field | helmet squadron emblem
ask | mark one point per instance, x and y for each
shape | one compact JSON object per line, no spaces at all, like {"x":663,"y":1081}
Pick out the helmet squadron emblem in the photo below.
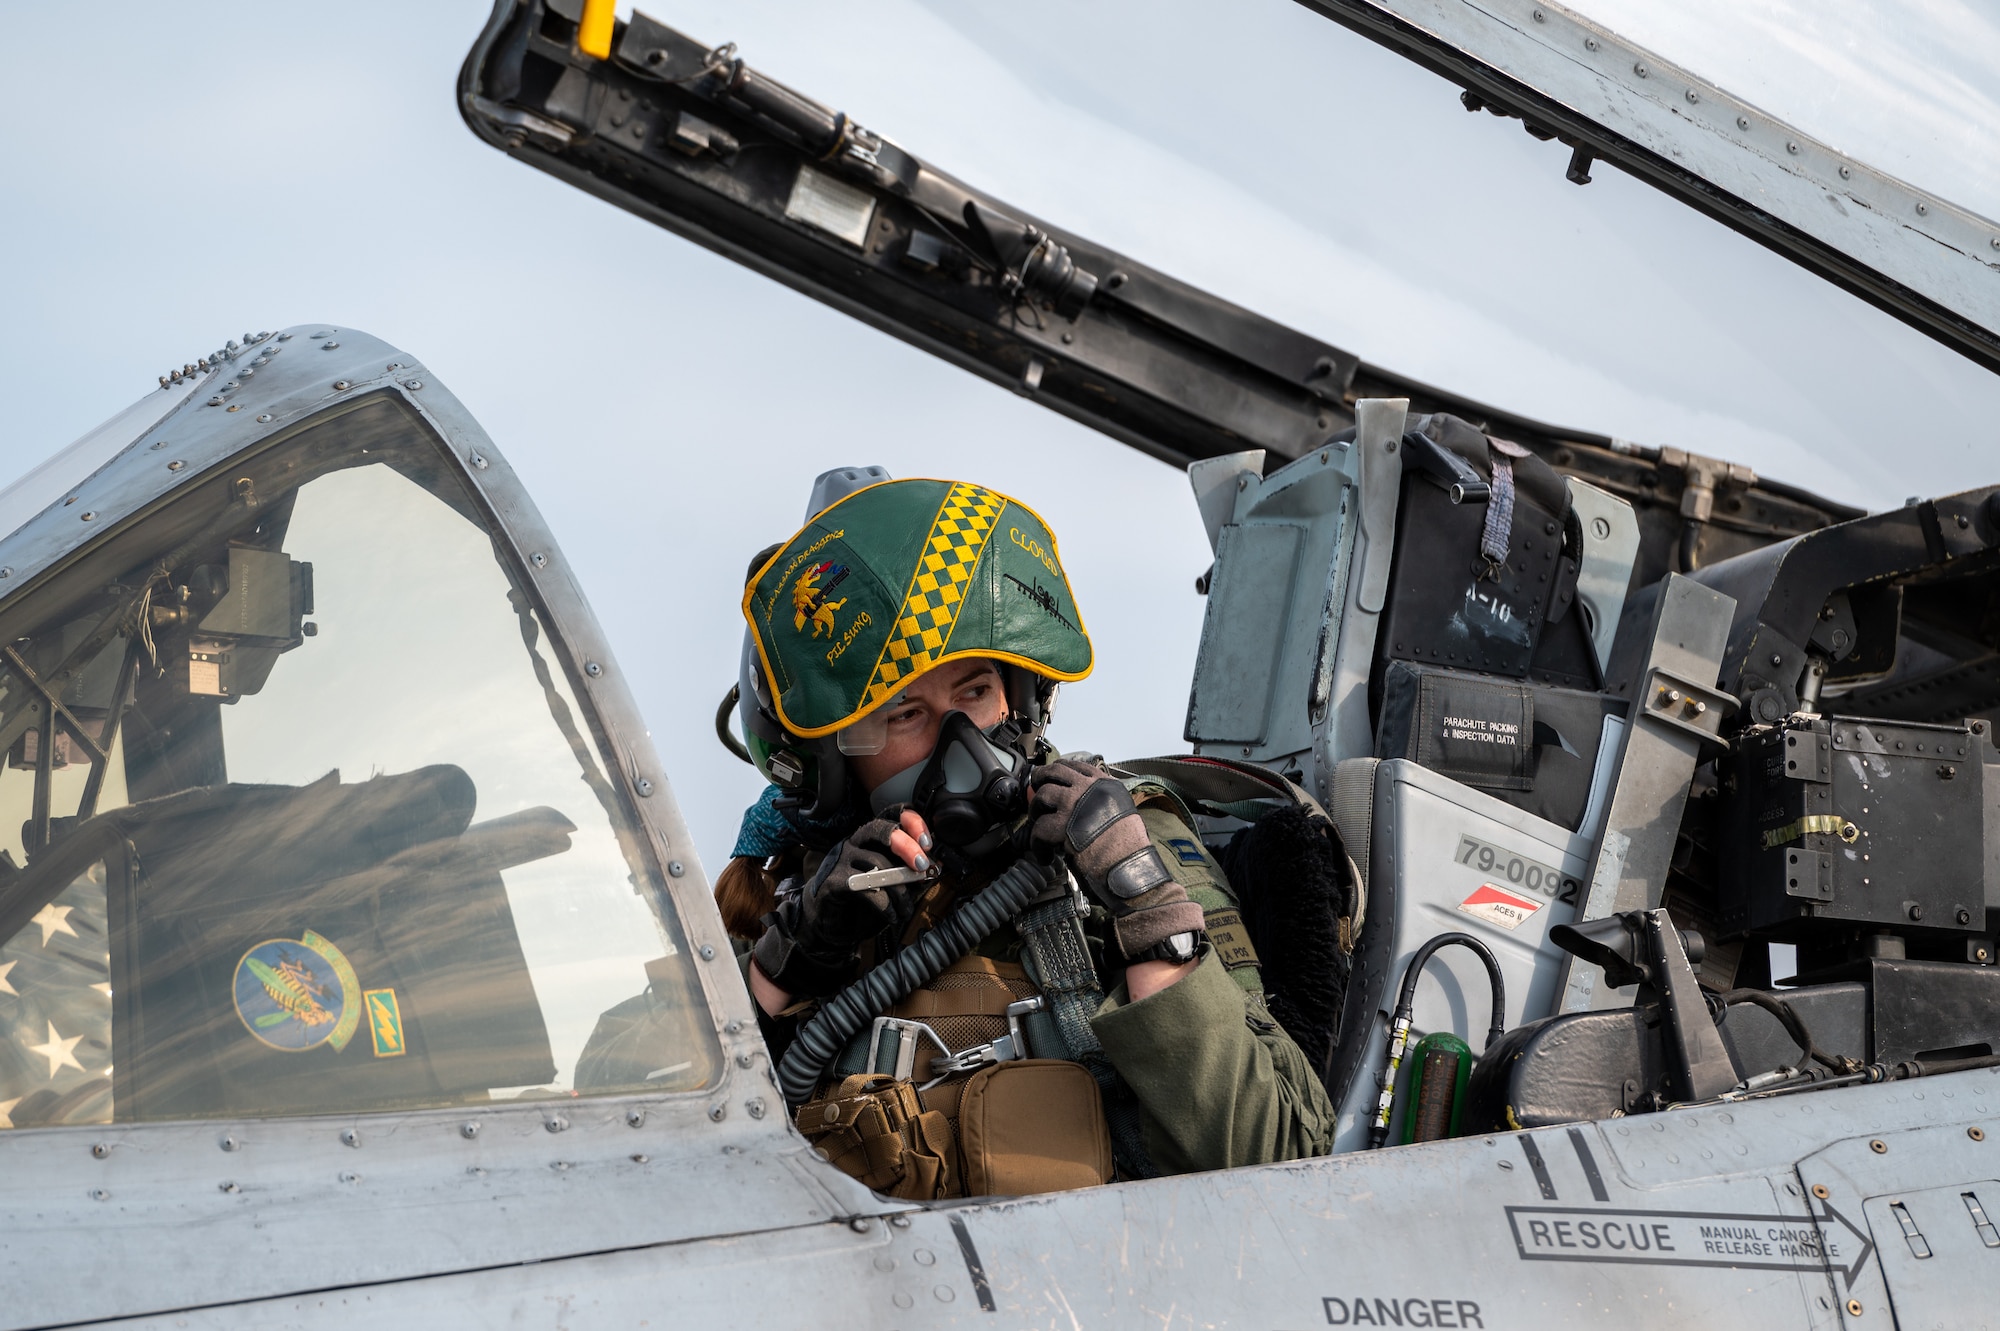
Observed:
{"x":298,"y":995}
{"x":809,"y":597}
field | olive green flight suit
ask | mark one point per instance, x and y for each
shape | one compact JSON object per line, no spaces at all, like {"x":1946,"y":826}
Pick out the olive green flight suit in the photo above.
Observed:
{"x":1219,"y":1082}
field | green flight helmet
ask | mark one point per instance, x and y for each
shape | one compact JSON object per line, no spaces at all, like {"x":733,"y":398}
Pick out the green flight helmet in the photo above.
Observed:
{"x":893,"y":580}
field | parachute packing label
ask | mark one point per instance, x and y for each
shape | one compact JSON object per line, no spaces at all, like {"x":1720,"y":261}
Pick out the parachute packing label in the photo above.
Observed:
{"x":295,"y":995}
{"x":1497,"y":905}
{"x":898,"y":578}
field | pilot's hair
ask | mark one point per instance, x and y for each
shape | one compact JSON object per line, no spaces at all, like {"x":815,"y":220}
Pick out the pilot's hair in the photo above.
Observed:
{"x":745,"y":892}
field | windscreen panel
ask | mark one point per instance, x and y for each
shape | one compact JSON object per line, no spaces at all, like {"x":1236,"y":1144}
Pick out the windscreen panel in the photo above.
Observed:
{"x":300,"y":813}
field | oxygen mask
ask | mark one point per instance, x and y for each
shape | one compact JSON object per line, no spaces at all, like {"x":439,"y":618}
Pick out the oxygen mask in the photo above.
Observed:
{"x":971,"y":789}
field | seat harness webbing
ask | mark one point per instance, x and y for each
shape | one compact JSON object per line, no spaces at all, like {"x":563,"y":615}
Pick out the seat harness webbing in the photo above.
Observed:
{"x":1058,"y":960}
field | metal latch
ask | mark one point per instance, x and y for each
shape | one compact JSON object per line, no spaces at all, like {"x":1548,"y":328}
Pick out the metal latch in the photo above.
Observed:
{"x":1919,"y":1245}
{"x":1987,"y":1234}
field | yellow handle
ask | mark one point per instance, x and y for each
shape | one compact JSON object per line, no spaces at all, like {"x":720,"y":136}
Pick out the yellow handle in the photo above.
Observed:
{"x":593,"y":34}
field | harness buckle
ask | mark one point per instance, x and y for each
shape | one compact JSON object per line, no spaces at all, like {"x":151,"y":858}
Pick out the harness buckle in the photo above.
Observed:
{"x":896,"y":1056}
{"x":1012,"y":1045}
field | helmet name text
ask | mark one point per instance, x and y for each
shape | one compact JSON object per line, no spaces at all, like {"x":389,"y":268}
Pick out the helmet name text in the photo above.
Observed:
{"x":1034,"y":547}
{"x":861,"y":621}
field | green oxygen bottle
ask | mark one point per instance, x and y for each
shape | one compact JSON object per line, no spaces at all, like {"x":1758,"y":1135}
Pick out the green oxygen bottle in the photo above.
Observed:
{"x":1439,"y":1066}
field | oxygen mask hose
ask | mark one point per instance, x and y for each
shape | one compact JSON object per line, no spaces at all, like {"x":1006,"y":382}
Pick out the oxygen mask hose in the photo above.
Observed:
{"x":822,"y":1038}
{"x":1399,"y":1022}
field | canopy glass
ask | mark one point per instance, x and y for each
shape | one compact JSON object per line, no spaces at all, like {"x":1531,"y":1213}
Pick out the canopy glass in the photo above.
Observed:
{"x":1911,"y":87}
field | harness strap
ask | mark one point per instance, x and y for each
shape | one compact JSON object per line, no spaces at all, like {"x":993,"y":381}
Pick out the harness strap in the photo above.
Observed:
{"x":1059,"y":957}
{"x":1054,"y":941}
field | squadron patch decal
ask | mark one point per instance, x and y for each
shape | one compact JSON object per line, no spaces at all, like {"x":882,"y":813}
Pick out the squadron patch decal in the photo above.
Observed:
{"x":385,"y":1022}
{"x":811,"y":603}
{"x":297,"y":995}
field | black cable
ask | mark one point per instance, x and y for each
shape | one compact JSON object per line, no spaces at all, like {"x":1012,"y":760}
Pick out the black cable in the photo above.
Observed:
{"x":1937,"y":1067}
{"x":1399,"y":1023}
{"x":1794,"y":1025}
{"x":722,"y":731}
{"x":822,"y":1038}
{"x":1407,"y":996}
{"x":1685,"y":549}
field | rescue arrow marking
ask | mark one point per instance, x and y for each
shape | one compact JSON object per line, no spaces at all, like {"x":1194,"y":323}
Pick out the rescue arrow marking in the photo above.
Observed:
{"x":1867,"y":1245}
{"x":1683,"y":1238}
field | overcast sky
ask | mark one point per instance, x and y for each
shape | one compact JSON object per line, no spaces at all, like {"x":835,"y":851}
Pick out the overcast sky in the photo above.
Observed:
{"x":257,"y":167}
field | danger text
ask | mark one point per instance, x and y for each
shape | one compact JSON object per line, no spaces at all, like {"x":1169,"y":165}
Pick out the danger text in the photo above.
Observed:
{"x":1359,"y":1311}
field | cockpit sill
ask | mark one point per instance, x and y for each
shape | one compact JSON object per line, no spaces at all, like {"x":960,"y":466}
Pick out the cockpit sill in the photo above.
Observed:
{"x":494,"y":1185}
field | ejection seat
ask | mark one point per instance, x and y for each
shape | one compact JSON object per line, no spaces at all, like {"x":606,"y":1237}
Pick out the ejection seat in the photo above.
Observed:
{"x":1415,"y":623}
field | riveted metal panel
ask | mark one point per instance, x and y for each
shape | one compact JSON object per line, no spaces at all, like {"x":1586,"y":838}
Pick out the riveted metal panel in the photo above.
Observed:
{"x":1699,"y":1217}
{"x":1931,"y":1144}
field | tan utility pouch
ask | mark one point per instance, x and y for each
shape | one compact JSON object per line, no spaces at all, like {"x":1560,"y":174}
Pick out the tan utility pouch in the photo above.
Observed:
{"x":876,"y":1129}
{"x":1036,"y":1125}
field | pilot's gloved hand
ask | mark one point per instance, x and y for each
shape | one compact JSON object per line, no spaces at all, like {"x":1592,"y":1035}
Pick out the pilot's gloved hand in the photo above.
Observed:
{"x":807,"y":948}
{"x":1084,"y":812}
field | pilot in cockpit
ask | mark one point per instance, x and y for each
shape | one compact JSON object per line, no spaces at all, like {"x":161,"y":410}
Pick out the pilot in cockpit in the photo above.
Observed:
{"x":983,"y":968}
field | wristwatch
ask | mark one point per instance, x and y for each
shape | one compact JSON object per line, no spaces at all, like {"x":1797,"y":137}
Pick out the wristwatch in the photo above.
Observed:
{"x":1178,"y":948}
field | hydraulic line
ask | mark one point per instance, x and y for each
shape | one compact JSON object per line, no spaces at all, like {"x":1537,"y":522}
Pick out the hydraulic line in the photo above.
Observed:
{"x":1399,"y":1023}
{"x":822,"y":1038}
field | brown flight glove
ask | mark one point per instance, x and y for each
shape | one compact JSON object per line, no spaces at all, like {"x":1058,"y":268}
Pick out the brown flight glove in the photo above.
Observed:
{"x":1086,"y":813}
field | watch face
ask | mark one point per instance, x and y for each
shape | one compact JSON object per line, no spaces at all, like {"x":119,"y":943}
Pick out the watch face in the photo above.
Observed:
{"x":1174,"y":947}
